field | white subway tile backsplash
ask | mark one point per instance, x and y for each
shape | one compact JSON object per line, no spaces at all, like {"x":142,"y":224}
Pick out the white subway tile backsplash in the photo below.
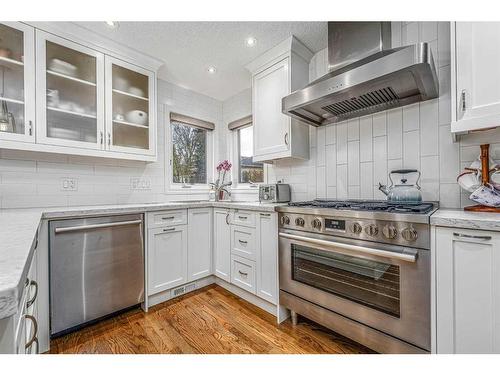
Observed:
{"x":449,"y":163}
{"x":354,"y":192}
{"x":449,"y":195}
{"x":411,"y":117}
{"x":380,"y":159}
{"x":366,"y":180}
{"x":411,"y":150}
{"x":428,"y":31}
{"x":379,"y":124}
{"x":321,"y":182}
{"x":410,"y":33}
{"x":353,"y":163}
{"x":429,"y":128}
{"x":342,"y":143}
{"x":353,"y":130}
{"x":366,"y":139}
{"x":342,"y":191}
{"x":395,"y":133}
{"x":330,"y":134}
{"x":320,"y":149}
{"x":331,"y":165}
{"x":331,"y":192}
{"x":443,"y":58}
{"x":444,"y":95}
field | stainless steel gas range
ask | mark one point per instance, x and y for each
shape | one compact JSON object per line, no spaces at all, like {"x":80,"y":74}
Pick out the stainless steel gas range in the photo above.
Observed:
{"x":361,"y":268}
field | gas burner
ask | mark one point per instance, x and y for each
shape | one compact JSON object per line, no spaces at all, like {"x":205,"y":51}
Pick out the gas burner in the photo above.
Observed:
{"x":367,"y":205}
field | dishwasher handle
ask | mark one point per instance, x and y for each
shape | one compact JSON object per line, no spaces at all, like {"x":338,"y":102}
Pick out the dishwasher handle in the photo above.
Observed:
{"x":96,"y":226}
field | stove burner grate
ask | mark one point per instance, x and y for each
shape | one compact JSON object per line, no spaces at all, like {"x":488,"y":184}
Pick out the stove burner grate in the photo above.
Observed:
{"x":362,"y":205}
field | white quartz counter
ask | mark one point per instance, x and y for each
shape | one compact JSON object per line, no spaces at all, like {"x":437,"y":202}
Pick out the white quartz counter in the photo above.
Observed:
{"x":18,"y":229}
{"x":466,"y":220}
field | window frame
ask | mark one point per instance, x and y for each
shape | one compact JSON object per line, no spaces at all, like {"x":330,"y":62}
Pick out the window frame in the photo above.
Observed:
{"x":177,"y":187}
{"x":235,"y":160}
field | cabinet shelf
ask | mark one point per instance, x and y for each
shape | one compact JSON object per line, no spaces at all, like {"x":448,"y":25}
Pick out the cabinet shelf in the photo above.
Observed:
{"x":130,"y":124}
{"x":56,"y":74}
{"x":130,"y":95}
{"x":8,"y":100}
{"x":86,"y":115}
{"x":10,"y":62}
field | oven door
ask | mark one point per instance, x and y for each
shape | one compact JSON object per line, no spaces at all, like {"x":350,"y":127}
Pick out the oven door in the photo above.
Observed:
{"x":386,"y":287}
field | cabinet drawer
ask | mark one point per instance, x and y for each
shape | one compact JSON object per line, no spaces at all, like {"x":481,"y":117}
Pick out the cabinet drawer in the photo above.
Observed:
{"x":243,"y":218}
{"x":167,"y":218}
{"x":243,"y":273}
{"x":243,"y":242}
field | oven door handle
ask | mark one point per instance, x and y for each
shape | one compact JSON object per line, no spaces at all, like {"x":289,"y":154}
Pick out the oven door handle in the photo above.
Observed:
{"x":407,"y":257}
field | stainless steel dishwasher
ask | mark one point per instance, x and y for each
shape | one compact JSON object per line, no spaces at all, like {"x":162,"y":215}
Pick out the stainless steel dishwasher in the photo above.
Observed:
{"x":96,"y":269}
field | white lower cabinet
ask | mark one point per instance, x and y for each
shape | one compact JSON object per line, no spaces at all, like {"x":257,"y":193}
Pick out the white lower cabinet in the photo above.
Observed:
{"x":222,"y":244}
{"x":267,"y":256}
{"x":467,"y":274}
{"x":199,"y":243}
{"x":243,"y":273}
{"x":167,"y":257}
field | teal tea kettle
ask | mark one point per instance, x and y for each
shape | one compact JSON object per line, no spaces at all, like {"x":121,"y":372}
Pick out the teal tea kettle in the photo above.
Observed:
{"x":402,"y":192}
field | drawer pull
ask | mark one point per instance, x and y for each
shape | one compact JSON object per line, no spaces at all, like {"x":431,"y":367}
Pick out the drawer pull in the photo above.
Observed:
{"x":243,"y":217}
{"x":243,"y":273}
{"x":35,"y":330}
{"x":462,"y":235}
{"x":242,"y":242}
{"x":168,"y":218}
{"x":32,"y":300}
{"x":265,"y":214}
{"x":168,"y":229}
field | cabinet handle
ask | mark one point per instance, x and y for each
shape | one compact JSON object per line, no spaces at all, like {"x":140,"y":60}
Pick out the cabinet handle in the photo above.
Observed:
{"x":243,"y":273}
{"x":30,"y":129}
{"x":243,"y":217}
{"x":462,"y":105}
{"x":35,"y":330}
{"x":286,"y":138}
{"x":102,"y":138}
{"x":168,"y":229}
{"x":243,"y":242}
{"x":227,"y":218}
{"x":168,"y":218}
{"x":265,"y":214}
{"x":462,"y":235}
{"x":32,"y":300}
{"x":109,"y":138}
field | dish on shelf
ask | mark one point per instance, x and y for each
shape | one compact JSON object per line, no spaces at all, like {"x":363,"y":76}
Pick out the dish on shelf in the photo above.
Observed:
{"x":120,"y":84}
{"x":137,"y":117}
{"x":5,"y":52}
{"x":63,"y":133}
{"x":469,"y":180}
{"x":136,"y":91}
{"x":119,"y":117}
{"x":63,"y":67}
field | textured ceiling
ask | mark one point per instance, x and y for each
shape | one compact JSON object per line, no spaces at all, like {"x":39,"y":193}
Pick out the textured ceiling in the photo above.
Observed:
{"x":189,"y":48}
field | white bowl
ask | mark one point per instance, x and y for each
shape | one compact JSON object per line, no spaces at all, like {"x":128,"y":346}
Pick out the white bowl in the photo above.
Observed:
{"x":136,"y":91}
{"x":63,"y":67}
{"x":137,"y":117}
{"x":120,"y":84}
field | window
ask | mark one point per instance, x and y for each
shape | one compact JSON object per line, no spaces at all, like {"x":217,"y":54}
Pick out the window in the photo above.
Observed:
{"x":190,"y":149}
{"x":248,"y":170}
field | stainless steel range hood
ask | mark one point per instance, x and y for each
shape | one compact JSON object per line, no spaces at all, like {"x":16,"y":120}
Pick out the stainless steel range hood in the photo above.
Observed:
{"x":364,"y":76}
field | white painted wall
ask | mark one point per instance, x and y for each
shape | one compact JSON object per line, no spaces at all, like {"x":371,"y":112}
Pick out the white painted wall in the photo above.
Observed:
{"x":349,"y":159}
{"x":29,"y":179}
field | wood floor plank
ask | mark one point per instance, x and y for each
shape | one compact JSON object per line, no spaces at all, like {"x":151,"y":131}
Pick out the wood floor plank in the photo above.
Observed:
{"x":209,"y":320}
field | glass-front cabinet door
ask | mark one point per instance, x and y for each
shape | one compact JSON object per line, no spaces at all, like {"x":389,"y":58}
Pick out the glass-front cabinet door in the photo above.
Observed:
{"x":130,"y":108}
{"x":70,"y":93}
{"x":17,"y":82}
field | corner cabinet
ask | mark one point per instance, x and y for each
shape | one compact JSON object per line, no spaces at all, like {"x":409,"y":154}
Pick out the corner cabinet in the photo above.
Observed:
{"x":475,"y":73}
{"x":88,"y":102}
{"x":467,"y":286}
{"x":275,"y":74}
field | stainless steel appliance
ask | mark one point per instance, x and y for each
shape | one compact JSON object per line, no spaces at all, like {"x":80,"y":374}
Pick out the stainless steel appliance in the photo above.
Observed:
{"x":96,"y":269}
{"x":274,"y":193}
{"x":361,"y":268}
{"x":365,"y":76}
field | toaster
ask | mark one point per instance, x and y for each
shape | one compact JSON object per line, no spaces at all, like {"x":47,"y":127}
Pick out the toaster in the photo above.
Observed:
{"x":274,"y":193}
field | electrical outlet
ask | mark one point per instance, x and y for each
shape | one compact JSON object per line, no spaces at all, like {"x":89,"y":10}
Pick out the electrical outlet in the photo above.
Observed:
{"x":69,"y":184}
{"x":137,"y":183}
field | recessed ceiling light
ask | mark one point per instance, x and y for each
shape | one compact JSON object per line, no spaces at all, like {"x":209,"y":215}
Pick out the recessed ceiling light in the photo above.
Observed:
{"x":111,"y":24}
{"x":251,"y":41}
{"x":211,"y":69}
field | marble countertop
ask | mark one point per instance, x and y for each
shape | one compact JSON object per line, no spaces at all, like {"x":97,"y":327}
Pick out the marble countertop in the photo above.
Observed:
{"x":466,"y":220}
{"x":18,"y":228}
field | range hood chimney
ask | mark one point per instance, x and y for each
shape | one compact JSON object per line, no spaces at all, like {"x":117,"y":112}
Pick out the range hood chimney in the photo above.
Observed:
{"x":365,"y":76}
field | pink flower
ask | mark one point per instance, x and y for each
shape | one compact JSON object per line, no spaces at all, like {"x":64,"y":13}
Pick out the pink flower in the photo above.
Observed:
{"x":224,"y":166}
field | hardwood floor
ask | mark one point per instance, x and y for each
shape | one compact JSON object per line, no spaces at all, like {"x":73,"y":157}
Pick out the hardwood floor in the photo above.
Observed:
{"x":209,"y":320}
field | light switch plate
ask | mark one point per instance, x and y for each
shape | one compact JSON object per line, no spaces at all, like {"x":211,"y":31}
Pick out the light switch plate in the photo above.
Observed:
{"x":69,"y":184}
{"x":138,"y":183}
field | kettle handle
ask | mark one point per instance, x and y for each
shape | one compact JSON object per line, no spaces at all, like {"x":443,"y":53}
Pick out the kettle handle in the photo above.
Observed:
{"x":405,"y":171}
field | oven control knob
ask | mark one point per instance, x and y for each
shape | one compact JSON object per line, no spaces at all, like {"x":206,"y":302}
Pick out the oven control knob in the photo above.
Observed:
{"x":390,"y":232}
{"x":371,"y":230}
{"x":300,"y":222}
{"x":409,"y":234}
{"x":285,"y":220}
{"x":356,"y":228}
{"x":316,"y":224}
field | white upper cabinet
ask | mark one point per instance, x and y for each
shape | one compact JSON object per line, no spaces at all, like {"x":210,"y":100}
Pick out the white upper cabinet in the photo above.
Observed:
{"x":17,"y":82}
{"x":86,"y":101}
{"x":467,"y":291}
{"x":475,"y":68}
{"x":130,"y":108}
{"x":70,"y":93}
{"x":275,"y":74}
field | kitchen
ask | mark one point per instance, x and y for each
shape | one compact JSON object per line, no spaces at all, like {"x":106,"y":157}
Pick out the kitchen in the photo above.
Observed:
{"x":270,"y":187}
